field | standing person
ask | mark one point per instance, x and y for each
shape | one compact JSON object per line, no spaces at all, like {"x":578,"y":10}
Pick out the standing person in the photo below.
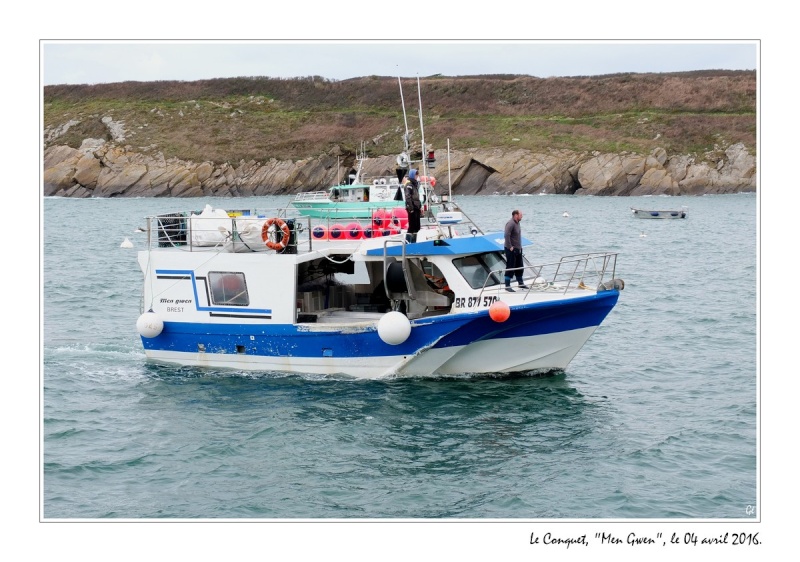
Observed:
{"x":413,"y":205}
{"x":513,"y":247}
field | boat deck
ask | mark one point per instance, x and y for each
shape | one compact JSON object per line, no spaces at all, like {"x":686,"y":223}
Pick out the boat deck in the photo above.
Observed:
{"x":244,"y":230}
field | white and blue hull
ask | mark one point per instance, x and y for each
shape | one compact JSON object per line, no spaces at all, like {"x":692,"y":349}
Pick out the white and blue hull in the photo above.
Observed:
{"x":536,"y":337}
{"x":548,"y":352}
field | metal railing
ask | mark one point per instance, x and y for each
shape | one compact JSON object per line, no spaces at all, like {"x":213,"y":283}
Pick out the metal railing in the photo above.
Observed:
{"x":313,"y":196}
{"x":574,"y":272}
{"x":192,"y":232}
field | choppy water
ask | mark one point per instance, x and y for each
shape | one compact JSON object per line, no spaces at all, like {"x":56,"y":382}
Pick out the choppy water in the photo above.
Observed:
{"x":655,"y":418}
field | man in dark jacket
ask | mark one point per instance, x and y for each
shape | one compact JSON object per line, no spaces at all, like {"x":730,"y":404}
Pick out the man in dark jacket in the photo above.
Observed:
{"x":513,"y":247}
{"x":413,"y":205}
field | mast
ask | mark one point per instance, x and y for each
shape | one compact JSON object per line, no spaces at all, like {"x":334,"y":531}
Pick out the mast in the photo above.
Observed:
{"x":405,"y":119}
{"x":421,"y":128}
{"x":449,"y":178}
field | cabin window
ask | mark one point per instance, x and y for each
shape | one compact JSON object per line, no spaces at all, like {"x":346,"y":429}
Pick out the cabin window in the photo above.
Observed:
{"x":228,"y":288}
{"x":434,"y":276}
{"x":476,"y":269}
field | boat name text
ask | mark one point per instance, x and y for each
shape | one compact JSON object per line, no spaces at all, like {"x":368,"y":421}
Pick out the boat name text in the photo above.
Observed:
{"x":175,"y":301}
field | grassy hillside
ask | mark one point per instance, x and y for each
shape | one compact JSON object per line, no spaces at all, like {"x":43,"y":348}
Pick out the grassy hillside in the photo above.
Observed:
{"x":226,"y":120}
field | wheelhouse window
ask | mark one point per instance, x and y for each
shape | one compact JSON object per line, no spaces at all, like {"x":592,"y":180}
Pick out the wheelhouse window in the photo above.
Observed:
{"x":476,"y":269}
{"x":228,"y":288}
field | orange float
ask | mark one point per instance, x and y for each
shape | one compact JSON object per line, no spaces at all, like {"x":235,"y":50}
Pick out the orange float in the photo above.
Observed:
{"x":336,"y":232}
{"x":319,"y":232}
{"x":381,"y":218}
{"x":499,"y":311}
{"x":400,"y":218}
{"x":372,"y":232}
{"x":354,"y":231}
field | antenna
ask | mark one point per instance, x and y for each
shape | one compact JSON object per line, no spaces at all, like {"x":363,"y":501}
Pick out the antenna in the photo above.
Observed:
{"x":449,"y":178}
{"x":405,"y":119}
{"x":421,"y":129}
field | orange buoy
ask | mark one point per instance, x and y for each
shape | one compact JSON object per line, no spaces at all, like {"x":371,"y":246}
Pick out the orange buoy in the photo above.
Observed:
{"x":319,"y":232}
{"x":400,"y":218}
{"x":336,"y":232}
{"x":499,"y":311}
{"x":354,"y":231}
{"x":381,"y":218}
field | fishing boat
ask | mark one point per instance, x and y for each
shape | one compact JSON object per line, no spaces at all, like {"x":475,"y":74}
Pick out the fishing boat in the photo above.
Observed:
{"x":359,"y":197}
{"x":356,"y":200}
{"x":647,"y":214}
{"x":255,"y":290}
{"x":277,"y":290}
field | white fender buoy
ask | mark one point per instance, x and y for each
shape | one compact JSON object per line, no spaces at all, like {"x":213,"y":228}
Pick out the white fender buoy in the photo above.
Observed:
{"x":126,"y":244}
{"x":149,"y":324}
{"x":394,"y":328}
{"x":565,"y":215}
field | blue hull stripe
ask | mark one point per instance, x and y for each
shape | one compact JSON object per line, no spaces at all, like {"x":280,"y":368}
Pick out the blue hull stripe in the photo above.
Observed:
{"x":287,"y":340}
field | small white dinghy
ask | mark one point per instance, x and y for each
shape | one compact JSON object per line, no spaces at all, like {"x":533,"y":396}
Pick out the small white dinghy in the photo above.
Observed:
{"x":647,"y":214}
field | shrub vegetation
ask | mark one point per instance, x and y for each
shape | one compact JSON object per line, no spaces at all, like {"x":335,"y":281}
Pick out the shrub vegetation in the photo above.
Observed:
{"x":258,"y":118}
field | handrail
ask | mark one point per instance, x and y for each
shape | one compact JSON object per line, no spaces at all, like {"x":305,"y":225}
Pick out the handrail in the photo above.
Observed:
{"x":591,"y":270}
{"x":409,"y":285}
{"x":583,"y":268}
{"x":312,"y":196}
{"x":175,"y":229}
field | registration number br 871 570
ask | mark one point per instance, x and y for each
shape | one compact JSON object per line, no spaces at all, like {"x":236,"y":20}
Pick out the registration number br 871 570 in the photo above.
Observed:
{"x":475,"y":302}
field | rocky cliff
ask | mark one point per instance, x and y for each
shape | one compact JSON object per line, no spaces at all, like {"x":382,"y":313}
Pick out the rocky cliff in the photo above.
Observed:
{"x":105,"y":169}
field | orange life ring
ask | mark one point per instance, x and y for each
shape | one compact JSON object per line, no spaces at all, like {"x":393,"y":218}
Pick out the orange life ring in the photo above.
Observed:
{"x":281,"y":227}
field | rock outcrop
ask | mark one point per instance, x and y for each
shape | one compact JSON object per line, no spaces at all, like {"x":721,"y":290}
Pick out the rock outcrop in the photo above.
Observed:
{"x":99,"y":169}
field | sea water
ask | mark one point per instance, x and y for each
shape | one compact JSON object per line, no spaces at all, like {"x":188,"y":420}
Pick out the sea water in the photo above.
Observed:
{"x":656,"y":417}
